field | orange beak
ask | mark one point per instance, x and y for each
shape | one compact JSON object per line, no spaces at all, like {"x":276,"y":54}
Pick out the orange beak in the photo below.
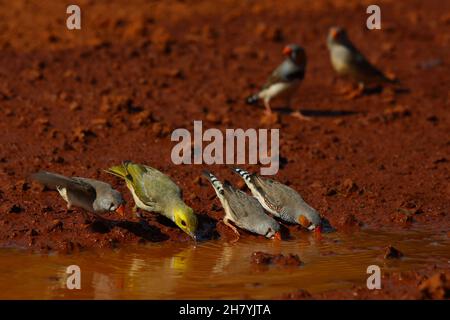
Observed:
{"x":318,"y":230}
{"x":334,"y":33}
{"x":277,"y":236}
{"x":287,"y":51}
{"x":121,"y":210}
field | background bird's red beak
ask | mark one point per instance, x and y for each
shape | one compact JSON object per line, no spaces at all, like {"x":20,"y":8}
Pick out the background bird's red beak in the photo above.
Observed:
{"x":318,"y":229}
{"x":277,"y":236}
{"x":287,"y":51}
{"x":334,"y":33}
{"x":121,"y":210}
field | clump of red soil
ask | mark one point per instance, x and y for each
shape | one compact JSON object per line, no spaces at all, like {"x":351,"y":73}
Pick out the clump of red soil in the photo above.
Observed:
{"x":392,"y":253}
{"x":265,"y":259}
{"x":436,"y":287}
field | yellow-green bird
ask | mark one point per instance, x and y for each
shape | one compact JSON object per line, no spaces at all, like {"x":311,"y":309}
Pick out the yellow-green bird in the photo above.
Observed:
{"x":154,"y":191}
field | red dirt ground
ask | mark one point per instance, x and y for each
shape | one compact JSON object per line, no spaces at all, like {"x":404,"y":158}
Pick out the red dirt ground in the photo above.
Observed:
{"x":77,"y":102}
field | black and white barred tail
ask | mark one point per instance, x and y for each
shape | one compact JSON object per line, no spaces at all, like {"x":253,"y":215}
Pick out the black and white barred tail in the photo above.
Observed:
{"x":244,"y":174}
{"x":217,"y":185}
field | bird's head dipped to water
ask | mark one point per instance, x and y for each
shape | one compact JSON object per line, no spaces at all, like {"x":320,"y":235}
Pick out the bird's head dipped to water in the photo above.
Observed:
{"x":268,"y":228}
{"x":310,"y":220}
{"x":295,"y":53}
{"x":113,"y":202}
{"x":185,"y":218}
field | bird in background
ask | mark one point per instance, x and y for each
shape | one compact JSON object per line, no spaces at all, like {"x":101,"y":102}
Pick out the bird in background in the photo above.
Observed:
{"x":281,"y":201}
{"x":154,"y":191}
{"x":92,"y":195}
{"x":348,"y":61}
{"x":284,"y":80}
{"x":243,"y":210}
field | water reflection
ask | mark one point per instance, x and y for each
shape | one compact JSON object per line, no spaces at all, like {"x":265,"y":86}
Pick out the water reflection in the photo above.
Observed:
{"x":217,"y":269}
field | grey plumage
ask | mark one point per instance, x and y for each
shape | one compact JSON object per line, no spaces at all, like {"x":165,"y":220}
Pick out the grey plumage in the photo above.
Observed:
{"x":243,"y":210}
{"x":281,"y":200}
{"x":92,"y":195}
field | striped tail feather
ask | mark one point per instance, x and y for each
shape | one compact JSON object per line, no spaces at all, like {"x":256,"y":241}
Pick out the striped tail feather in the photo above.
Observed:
{"x":217,"y":185}
{"x":244,"y":174}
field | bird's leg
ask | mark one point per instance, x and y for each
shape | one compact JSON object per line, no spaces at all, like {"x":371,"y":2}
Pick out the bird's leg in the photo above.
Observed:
{"x":267,"y":105}
{"x":300,"y":116}
{"x":296,"y":114}
{"x":135,"y":211}
{"x":359,"y":91}
{"x":227,"y":223}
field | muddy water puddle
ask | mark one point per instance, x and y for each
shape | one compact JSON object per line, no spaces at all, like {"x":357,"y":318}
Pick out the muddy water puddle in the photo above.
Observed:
{"x":217,"y":269}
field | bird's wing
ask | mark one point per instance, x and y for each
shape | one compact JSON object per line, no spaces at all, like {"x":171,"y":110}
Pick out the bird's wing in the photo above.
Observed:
{"x":53,"y":180}
{"x":364,"y":65}
{"x":136,"y":176}
{"x":240,"y":203}
{"x":369,"y":68}
{"x":273,"y":192}
{"x":151,"y":185}
{"x":82,"y":193}
{"x":285,"y":72}
{"x":164,"y":179}
{"x":100,"y":187}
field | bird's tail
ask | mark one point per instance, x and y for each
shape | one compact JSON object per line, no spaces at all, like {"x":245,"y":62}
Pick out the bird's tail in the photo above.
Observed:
{"x":252,"y":99}
{"x":118,"y":171}
{"x":51,"y":180}
{"x":396,"y":85}
{"x":244,"y":174}
{"x":217,"y":185}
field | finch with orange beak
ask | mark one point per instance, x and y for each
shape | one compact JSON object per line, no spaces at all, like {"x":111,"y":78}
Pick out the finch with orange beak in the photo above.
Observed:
{"x":348,"y":61}
{"x":243,"y":210}
{"x":281,"y":201}
{"x":92,"y":195}
{"x":284,"y":80}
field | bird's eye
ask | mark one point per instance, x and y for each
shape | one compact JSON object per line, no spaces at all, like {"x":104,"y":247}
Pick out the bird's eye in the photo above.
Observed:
{"x":183,"y":223}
